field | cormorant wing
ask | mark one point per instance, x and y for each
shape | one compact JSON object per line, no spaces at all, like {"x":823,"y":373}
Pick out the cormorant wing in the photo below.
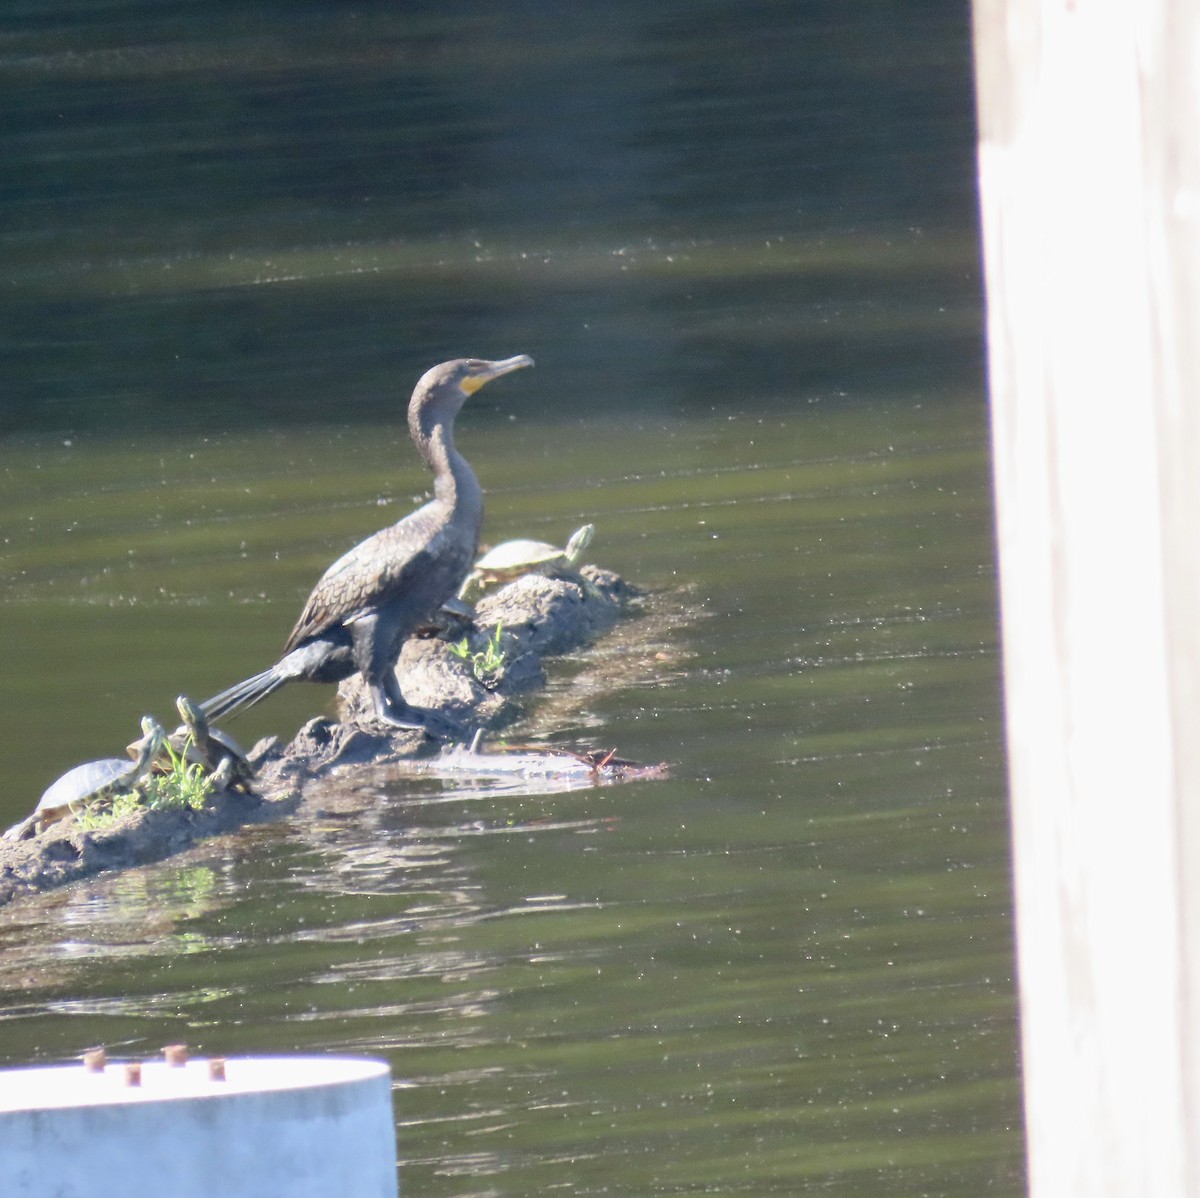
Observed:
{"x":375,"y":571}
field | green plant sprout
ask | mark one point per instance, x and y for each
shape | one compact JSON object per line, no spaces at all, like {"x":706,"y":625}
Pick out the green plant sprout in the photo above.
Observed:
{"x":485,"y":662}
{"x":184,"y":785}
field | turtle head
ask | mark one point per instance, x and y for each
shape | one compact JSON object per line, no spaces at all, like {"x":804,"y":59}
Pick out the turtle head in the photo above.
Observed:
{"x":153,"y":739}
{"x":581,"y":538}
{"x":192,"y":715}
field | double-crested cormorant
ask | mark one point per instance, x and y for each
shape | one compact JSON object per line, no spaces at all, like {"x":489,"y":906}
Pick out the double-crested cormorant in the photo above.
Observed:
{"x":373,"y":597}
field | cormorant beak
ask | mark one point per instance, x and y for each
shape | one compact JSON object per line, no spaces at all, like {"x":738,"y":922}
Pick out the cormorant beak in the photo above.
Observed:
{"x":486,"y":371}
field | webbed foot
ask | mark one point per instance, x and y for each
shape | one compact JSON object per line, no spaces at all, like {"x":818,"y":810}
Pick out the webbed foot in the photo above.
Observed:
{"x":398,"y":714}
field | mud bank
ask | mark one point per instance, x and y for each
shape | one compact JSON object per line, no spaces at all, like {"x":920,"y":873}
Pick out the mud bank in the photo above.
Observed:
{"x":537,"y":617}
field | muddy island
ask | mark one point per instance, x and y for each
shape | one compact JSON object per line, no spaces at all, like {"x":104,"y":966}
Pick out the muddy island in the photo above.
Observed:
{"x":482,"y":673}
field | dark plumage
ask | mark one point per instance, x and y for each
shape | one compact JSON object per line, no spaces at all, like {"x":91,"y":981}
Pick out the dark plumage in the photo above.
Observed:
{"x":371,"y":598}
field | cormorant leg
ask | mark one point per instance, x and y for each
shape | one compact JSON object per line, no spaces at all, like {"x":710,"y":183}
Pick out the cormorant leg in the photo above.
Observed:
{"x":399,"y":715}
{"x":391,"y":708}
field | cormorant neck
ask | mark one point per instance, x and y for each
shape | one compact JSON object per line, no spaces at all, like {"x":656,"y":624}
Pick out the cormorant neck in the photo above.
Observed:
{"x":454,"y":482}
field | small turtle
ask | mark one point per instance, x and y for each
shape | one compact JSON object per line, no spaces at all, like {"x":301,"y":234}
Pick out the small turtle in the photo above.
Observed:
{"x":216,"y":751}
{"x":513,"y":558}
{"x":199,"y":744}
{"x":90,"y":783}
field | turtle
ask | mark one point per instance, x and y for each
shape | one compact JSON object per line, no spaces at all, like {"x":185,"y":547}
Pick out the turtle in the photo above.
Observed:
{"x":199,"y":744}
{"x":216,"y":751}
{"x":513,"y":558}
{"x":90,"y":783}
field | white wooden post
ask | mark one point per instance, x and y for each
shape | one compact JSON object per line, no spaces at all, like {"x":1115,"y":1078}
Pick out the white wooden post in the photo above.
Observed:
{"x":1089,"y":162}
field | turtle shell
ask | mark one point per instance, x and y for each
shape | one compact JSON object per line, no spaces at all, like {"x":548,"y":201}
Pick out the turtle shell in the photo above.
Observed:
{"x":525,"y":554}
{"x":520,"y":555}
{"x":83,"y":784}
{"x":92,"y":780}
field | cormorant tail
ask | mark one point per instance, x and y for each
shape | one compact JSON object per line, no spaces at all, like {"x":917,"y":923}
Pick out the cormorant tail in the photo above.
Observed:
{"x":245,"y":693}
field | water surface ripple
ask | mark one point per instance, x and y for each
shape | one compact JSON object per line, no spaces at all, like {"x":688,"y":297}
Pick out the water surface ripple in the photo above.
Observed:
{"x":739,"y":241}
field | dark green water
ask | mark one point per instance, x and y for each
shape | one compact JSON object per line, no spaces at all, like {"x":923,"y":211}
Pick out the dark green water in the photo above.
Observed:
{"x":739,"y":243}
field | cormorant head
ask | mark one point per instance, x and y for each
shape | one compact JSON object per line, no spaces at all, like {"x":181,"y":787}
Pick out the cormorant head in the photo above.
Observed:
{"x":446,"y":387}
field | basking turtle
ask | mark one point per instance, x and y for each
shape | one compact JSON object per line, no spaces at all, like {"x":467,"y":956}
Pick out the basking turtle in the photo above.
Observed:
{"x":216,"y":751}
{"x":513,"y":558}
{"x":90,"y":783}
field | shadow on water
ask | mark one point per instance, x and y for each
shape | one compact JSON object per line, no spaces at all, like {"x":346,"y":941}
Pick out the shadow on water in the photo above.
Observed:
{"x":739,"y":242}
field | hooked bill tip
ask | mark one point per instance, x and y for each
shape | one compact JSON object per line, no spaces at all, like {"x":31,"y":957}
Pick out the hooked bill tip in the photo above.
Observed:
{"x":507,"y":364}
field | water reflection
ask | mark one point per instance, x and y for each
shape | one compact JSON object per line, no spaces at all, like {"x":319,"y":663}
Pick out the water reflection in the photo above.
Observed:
{"x":751,"y":978}
{"x":49,"y":939}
